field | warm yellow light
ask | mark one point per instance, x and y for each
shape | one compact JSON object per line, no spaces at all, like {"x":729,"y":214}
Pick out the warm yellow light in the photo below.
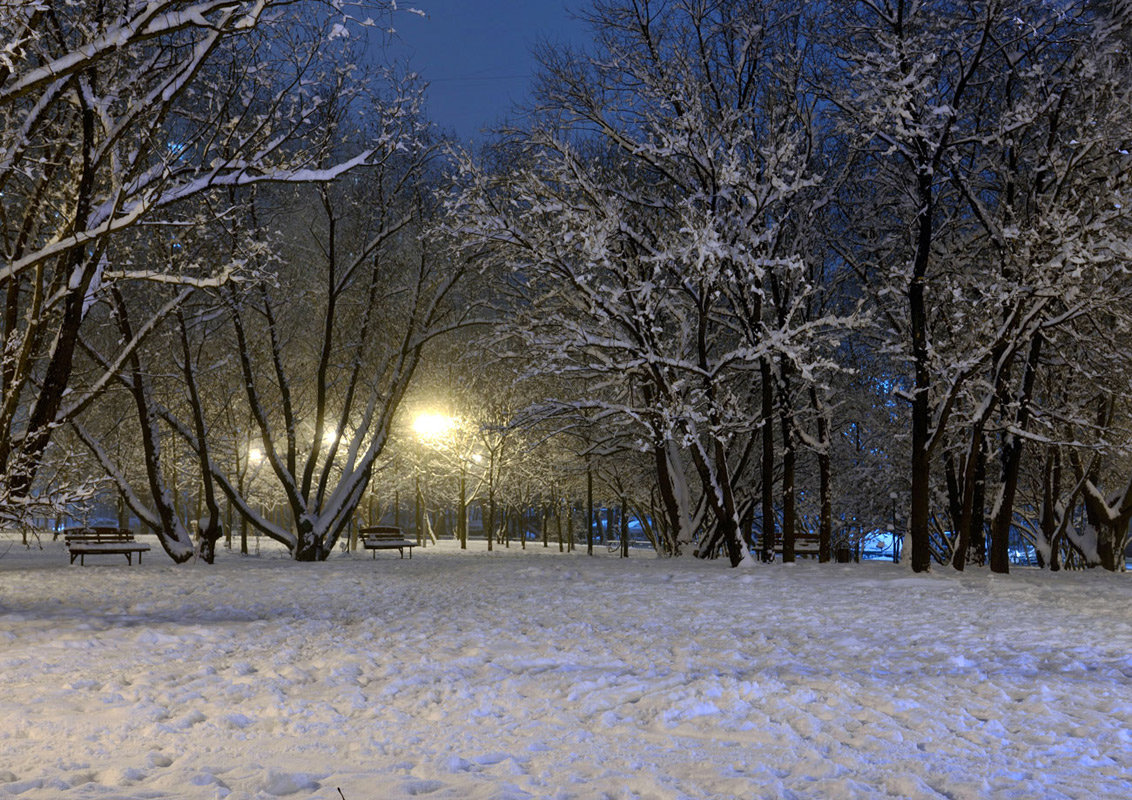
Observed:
{"x":255,"y":455}
{"x":433,"y":426}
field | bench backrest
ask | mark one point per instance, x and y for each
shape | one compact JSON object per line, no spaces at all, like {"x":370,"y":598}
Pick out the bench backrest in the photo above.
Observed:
{"x":381,"y":533}
{"x":98,"y":534}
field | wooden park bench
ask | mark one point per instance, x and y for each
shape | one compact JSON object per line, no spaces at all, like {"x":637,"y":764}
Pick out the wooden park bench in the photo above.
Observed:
{"x":805,"y":545}
{"x":385,"y":537}
{"x":82,"y":542}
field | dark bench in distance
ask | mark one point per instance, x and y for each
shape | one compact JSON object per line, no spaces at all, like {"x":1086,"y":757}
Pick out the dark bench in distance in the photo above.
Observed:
{"x":805,"y":545}
{"x":82,"y":542}
{"x":385,"y":537}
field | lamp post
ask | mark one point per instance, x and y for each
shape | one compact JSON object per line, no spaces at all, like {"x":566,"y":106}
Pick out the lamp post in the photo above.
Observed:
{"x":439,"y":431}
{"x":418,"y":520}
{"x":245,"y":480}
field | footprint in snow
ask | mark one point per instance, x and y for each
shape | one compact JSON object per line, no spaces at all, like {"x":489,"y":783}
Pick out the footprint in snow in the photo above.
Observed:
{"x":415,"y":788}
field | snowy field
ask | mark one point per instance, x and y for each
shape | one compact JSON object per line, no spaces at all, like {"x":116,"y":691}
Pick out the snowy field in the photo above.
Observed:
{"x":539,"y":675}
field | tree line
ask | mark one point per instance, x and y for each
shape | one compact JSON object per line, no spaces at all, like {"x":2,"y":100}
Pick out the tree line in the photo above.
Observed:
{"x":759,"y":267}
{"x":778,"y":248}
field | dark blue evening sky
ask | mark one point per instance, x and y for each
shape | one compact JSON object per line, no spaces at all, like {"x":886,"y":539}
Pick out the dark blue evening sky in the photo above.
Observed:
{"x":476,"y":54}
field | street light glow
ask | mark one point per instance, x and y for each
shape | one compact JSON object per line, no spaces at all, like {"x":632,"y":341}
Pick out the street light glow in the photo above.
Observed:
{"x":433,"y":426}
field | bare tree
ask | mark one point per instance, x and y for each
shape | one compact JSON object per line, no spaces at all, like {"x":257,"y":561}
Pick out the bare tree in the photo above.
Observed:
{"x":113,"y":116}
{"x":655,"y":244}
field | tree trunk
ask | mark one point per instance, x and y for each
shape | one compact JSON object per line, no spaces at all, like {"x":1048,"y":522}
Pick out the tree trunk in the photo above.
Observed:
{"x":921,"y":407}
{"x":1051,"y":488}
{"x":968,"y":495}
{"x":172,"y":536}
{"x":624,"y":528}
{"x":669,"y":503}
{"x":1011,"y":467}
{"x":462,"y":522}
{"x":308,"y":546}
{"x":419,"y":512}
{"x":558,"y":524}
{"x":210,"y":531}
{"x":56,"y":378}
{"x":788,"y":505}
{"x":978,"y":527}
{"x":767,"y":461}
{"x":825,"y":483}
{"x":589,"y":510}
{"x":490,"y":523}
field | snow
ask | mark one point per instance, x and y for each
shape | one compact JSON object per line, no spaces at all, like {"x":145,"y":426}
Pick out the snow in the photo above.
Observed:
{"x":544,"y":675}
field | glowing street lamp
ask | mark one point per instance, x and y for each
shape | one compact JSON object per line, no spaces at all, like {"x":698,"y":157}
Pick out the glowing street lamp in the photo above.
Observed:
{"x":246,"y":478}
{"x":433,"y":427}
{"x":440,"y":431}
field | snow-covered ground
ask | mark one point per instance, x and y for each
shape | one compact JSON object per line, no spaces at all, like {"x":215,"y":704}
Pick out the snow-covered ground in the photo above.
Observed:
{"x":536,"y":674}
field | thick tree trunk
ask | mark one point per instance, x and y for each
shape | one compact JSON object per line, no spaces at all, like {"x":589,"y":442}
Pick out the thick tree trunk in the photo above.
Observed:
{"x":716,"y":480}
{"x":968,"y":497}
{"x":920,"y":495}
{"x":76,"y":271}
{"x":209,"y":531}
{"x":308,"y":546}
{"x":732,"y":536}
{"x":1110,"y":526}
{"x":921,"y":400}
{"x":170,"y":534}
{"x":1108,"y":534}
{"x":978,"y":528}
{"x":671,"y":506}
